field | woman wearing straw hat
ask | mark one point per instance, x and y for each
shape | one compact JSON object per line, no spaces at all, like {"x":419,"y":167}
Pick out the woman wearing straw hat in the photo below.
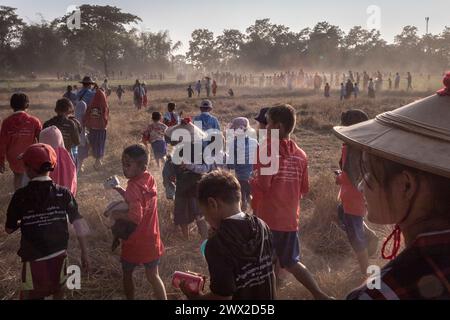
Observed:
{"x":405,"y":166}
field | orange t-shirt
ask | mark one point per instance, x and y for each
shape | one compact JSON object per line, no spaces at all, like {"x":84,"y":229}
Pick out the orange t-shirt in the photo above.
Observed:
{"x":144,"y":245}
{"x":277,"y":196}
{"x":18,"y":132}
{"x":352,"y":199}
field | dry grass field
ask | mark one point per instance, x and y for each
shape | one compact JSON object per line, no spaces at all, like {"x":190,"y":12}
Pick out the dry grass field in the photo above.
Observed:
{"x":324,"y":247}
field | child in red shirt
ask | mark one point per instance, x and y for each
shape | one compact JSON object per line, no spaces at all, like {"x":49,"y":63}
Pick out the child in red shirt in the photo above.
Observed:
{"x":280,"y":194}
{"x":352,"y":208}
{"x":19,"y":131}
{"x":144,"y":246}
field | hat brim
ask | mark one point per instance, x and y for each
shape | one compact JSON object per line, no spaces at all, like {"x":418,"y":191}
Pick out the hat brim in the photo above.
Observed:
{"x":410,"y":149}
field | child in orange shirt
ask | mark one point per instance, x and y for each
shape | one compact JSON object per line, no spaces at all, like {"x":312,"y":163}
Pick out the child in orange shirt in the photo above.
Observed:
{"x":18,"y":132}
{"x":144,"y":245}
{"x":280,"y":193}
{"x":352,"y":208}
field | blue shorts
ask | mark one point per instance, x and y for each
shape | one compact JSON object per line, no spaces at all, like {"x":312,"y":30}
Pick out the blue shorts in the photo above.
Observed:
{"x":287,"y":248}
{"x":159,"y":148}
{"x":354,"y":227}
{"x":129,"y":267}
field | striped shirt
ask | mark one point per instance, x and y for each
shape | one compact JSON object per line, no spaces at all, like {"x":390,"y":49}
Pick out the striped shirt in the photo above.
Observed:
{"x":420,"y":272}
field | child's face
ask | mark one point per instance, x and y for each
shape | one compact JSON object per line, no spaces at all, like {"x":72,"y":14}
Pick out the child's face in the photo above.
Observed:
{"x":131,"y":168}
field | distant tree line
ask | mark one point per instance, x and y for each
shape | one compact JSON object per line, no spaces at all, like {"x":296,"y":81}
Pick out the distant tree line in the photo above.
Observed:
{"x":108,"y":41}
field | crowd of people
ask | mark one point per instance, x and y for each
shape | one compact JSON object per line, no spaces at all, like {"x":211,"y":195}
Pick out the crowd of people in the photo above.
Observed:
{"x":249,"y":217}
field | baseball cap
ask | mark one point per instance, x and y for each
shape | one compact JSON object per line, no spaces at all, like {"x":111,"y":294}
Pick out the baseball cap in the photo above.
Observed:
{"x":40,"y":157}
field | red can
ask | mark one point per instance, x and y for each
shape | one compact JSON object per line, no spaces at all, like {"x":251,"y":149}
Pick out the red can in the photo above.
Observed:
{"x":194,"y":281}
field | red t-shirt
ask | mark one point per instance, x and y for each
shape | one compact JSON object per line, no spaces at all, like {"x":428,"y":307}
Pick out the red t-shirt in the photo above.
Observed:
{"x":144,"y":245}
{"x":352,"y":200}
{"x":278,"y":195}
{"x":18,"y":131}
{"x":97,"y":112}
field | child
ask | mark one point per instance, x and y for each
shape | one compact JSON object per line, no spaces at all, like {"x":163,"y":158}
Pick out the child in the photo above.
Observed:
{"x":41,"y":210}
{"x":119,"y":93}
{"x":186,"y":176}
{"x":281,"y":192}
{"x":352,"y":205}
{"x":326,"y":91}
{"x":371,"y":89}
{"x":144,"y":246}
{"x":68,"y":128}
{"x":356,"y":90}
{"x":214,"y":88}
{"x":198,"y":88}
{"x":145,"y":97}
{"x":70,"y":95}
{"x":64,"y":173}
{"x":138,"y":95}
{"x":18,"y":131}
{"x":190,"y":91}
{"x":343,"y":91}
{"x":171,"y":118}
{"x":239,"y":253}
{"x":83,"y":148}
{"x":208,"y":121}
{"x":243,"y":150}
{"x":155,"y":135}
{"x":96,"y":121}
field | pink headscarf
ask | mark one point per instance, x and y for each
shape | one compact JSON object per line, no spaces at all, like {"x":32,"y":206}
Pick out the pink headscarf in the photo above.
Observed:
{"x":65,"y":173}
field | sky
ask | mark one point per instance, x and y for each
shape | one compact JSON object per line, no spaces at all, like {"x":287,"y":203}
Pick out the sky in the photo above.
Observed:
{"x":181,"y":17}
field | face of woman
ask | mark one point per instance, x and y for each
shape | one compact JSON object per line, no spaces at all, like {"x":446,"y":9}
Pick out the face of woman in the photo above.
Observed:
{"x":386,"y":204}
{"x":378,"y":209}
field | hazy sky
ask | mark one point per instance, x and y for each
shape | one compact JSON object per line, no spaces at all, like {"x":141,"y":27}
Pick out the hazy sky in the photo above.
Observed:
{"x":181,"y":17}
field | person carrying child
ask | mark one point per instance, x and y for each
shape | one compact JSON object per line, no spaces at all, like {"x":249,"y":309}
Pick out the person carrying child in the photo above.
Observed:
{"x":280,"y":194}
{"x":42,"y":211}
{"x":144,"y":245}
{"x":244,"y":151}
{"x":155,"y":135}
{"x":239,"y":253}
{"x":18,"y":131}
{"x":186,"y":174}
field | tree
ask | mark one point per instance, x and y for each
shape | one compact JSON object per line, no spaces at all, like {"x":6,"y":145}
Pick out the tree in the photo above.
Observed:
{"x":41,"y":49}
{"x":157,"y":48}
{"x":229,"y":45}
{"x":324,"y":42}
{"x":10,"y":31}
{"x":102,"y":32}
{"x":408,"y":38}
{"x":202,"y":49}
